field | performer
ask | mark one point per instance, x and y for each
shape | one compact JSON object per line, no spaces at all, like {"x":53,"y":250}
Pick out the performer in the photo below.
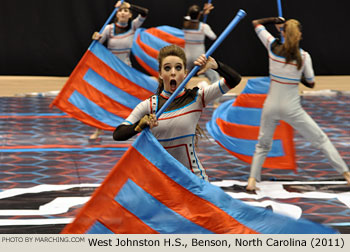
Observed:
{"x":176,"y":127}
{"x":288,"y":65}
{"x":119,"y":35}
{"x":195,"y":34}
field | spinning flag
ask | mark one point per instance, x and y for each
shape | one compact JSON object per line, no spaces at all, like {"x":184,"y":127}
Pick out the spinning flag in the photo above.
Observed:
{"x":148,"y":42}
{"x":102,"y":90}
{"x":149,"y":191}
{"x":235,"y":126}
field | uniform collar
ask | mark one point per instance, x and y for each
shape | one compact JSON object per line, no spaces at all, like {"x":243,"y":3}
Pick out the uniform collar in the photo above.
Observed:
{"x":167,"y":94}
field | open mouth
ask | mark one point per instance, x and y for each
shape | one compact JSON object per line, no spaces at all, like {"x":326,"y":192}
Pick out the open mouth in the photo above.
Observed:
{"x":173,"y":85}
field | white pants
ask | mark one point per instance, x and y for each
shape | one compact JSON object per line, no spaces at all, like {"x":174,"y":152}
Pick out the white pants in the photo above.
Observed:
{"x":307,"y":127}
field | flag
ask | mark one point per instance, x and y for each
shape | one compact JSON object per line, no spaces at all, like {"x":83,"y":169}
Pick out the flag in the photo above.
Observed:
{"x":235,"y":126}
{"x":148,"y":42}
{"x":102,"y":90}
{"x":149,"y":191}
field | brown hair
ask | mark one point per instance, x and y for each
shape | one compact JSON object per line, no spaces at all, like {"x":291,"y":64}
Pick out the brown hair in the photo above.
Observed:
{"x":292,"y":37}
{"x":125,"y":5}
{"x":194,"y":12}
{"x":170,"y":50}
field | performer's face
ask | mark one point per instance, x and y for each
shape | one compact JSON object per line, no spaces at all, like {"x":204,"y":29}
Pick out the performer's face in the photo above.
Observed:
{"x":172,"y":72}
{"x":123,"y":15}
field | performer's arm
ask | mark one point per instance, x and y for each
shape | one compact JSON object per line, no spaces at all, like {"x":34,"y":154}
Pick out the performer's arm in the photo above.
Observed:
{"x":124,"y":132}
{"x":308,"y":77}
{"x":232,"y":78}
{"x":306,"y":83}
{"x":269,"y":20}
{"x":140,"y":10}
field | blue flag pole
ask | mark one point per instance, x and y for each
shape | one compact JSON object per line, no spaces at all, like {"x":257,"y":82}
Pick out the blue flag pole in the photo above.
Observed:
{"x":106,"y":23}
{"x":279,"y":6}
{"x":241,"y":14}
{"x":280,"y":14}
{"x":206,"y":16}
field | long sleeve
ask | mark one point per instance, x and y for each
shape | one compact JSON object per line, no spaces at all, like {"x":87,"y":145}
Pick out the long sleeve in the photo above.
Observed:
{"x":208,"y":31}
{"x":127,"y":129}
{"x":232,"y":78}
{"x":142,"y":11}
{"x":269,"y":20}
{"x":124,"y":132}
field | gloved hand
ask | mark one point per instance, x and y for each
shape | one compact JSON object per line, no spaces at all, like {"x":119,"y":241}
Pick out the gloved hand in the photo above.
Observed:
{"x":147,"y":120}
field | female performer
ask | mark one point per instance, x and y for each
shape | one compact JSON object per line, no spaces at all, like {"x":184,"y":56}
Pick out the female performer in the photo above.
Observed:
{"x":119,"y":35}
{"x":195,"y":33}
{"x":288,"y":66}
{"x":176,"y":127}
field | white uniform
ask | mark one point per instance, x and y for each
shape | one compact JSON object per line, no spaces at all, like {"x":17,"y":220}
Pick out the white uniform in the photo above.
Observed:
{"x":195,"y":46}
{"x":120,"y":44}
{"x":283,"y":103}
{"x":177,"y":125}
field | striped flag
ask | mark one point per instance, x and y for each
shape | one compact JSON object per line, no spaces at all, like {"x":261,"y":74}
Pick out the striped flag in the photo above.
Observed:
{"x":148,"y":42}
{"x":102,"y":90}
{"x":235,"y":126}
{"x":149,"y":191}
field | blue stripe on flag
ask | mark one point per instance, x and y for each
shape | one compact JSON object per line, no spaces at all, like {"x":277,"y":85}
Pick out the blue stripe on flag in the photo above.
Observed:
{"x":257,"y":86}
{"x":137,"y":51}
{"x":243,"y":146}
{"x":99,"y":228}
{"x":262,"y":220}
{"x":153,"y":213}
{"x":120,"y":67}
{"x":107,"y":88}
{"x":238,"y":115}
{"x":94,"y":110}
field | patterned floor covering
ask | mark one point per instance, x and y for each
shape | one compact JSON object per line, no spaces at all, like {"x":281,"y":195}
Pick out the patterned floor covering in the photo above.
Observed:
{"x":46,"y":159}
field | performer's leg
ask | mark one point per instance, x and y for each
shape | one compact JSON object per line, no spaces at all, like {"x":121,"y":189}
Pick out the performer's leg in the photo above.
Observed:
{"x":309,"y":129}
{"x":262,"y":148}
{"x":96,"y":134}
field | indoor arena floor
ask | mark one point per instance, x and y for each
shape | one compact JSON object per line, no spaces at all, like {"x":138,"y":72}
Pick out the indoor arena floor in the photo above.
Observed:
{"x":49,"y":167}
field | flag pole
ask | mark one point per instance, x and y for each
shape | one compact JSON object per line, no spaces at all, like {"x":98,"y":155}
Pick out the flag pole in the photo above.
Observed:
{"x":241,"y":14}
{"x":206,"y":16}
{"x":106,"y":23}
{"x":280,"y":14}
{"x":279,"y":6}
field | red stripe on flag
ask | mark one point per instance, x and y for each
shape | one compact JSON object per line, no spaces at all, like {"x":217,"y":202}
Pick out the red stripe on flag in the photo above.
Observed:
{"x":284,"y":132}
{"x":116,"y":79}
{"x":166,"y":37}
{"x":250,"y":100}
{"x":246,"y":131}
{"x":101,"y":99}
{"x":283,"y":163}
{"x":147,"y":67}
{"x":76,"y":82}
{"x":120,"y":221}
{"x":147,"y":49}
{"x":161,"y":187}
